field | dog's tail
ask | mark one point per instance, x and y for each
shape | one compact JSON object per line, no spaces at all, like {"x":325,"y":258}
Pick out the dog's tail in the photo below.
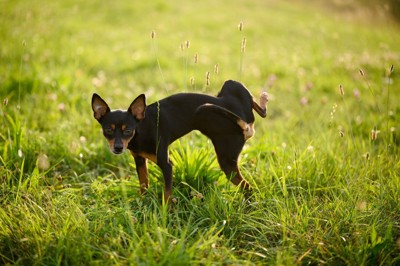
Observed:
{"x":207,"y":109}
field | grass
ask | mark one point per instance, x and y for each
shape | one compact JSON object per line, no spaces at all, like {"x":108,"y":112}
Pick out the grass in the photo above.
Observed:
{"x":324,"y":164}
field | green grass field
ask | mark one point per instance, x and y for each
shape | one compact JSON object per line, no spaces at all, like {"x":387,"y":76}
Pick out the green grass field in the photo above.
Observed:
{"x":324,"y":164}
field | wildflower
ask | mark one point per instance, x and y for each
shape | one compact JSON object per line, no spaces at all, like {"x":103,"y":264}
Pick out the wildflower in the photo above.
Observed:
{"x":361,"y":205}
{"x":20,"y":154}
{"x":308,"y":86}
{"x":303,"y":101}
{"x":271,"y":80}
{"x":310,"y":148}
{"x":61,"y":107}
{"x":356,"y":94}
{"x":199,"y":196}
{"x":96,"y":82}
{"x":52,"y":96}
{"x":43,"y":162}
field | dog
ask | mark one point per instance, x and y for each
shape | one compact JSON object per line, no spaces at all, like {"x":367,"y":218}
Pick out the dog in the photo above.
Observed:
{"x":147,"y":131}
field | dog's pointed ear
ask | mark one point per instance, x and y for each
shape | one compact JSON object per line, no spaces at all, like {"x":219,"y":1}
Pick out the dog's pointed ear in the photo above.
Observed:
{"x":138,"y":107}
{"x":99,"y":107}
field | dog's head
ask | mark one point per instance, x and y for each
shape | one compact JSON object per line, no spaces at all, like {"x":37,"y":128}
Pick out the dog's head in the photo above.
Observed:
{"x":119,"y":126}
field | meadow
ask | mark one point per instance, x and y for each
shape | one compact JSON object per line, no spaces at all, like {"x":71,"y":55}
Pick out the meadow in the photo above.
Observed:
{"x":324,"y":165}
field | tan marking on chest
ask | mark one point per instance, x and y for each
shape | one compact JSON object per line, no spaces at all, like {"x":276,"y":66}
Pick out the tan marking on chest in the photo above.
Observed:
{"x":149,"y":156}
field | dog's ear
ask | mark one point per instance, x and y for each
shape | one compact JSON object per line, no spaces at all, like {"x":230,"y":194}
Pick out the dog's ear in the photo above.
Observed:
{"x":99,"y":107}
{"x":138,"y":107}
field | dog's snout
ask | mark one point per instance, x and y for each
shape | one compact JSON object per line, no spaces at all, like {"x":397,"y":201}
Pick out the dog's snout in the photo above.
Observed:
{"x":118,"y":148}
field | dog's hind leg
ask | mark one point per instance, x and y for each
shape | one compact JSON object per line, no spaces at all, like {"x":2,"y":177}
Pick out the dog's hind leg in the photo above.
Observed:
{"x":221,"y":121}
{"x":228,"y":148}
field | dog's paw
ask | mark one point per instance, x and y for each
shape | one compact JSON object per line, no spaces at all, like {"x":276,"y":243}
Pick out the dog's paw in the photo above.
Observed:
{"x":264,"y":98}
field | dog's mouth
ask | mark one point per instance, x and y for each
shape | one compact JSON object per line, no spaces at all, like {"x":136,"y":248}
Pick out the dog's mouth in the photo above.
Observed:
{"x":117,"y":150}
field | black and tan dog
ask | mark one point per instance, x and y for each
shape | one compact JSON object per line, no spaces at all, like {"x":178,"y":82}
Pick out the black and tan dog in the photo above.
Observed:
{"x":147,"y":131}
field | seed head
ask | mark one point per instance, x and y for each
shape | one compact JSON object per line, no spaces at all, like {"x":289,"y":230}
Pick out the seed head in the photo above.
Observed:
{"x":216,"y":69}
{"x":192,"y":81}
{"x":5,"y":101}
{"x":374,"y":134}
{"x":243,"y":44}
{"x":361,"y":72}
{"x":240,"y":26}
{"x":341,"y":133}
{"x":153,"y":34}
{"x":341,"y":90}
{"x":196,"y":58}
{"x":187,"y":43}
{"x":207,"y":78}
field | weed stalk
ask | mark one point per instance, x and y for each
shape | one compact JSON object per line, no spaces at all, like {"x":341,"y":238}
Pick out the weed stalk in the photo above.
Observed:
{"x":155,"y":50}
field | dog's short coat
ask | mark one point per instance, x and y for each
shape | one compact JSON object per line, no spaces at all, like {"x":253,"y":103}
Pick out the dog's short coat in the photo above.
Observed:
{"x":147,"y":131}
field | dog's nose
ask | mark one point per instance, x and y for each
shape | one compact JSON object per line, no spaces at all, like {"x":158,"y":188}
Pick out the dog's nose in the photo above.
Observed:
{"x":118,"y":148}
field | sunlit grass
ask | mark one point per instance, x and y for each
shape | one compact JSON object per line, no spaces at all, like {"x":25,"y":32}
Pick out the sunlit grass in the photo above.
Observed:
{"x":324,"y":165}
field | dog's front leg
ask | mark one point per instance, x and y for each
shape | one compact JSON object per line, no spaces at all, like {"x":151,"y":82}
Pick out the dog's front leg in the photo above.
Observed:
{"x":166,"y":168}
{"x":143,"y":173}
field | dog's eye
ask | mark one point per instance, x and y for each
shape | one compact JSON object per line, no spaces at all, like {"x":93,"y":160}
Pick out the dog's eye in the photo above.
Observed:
{"x":128,"y":132}
{"x":108,"y":131}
